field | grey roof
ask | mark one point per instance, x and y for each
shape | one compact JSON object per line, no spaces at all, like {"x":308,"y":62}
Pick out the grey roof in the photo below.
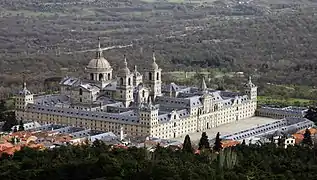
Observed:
{"x":50,"y":100}
{"x":284,"y":125}
{"x":89,"y":87}
{"x":70,"y":81}
{"x":93,"y":115}
{"x":111,"y":86}
{"x":24,"y":92}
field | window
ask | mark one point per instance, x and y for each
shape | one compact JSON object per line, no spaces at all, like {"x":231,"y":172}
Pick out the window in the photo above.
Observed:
{"x":143,"y":93}
{"x":150,"y":76}
{"x":100,"y":77}
{"x":121,"y":81}
{"x":157,"y":76}
{"x":80,"y":92}
{"x":129,"y":81}
{"x":91,"y":76}
{"x":109,"y":76}
{"x":80,"y":100}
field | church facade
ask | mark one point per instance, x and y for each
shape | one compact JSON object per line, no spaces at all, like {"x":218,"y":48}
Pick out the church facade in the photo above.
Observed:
{"x":140,"y":104}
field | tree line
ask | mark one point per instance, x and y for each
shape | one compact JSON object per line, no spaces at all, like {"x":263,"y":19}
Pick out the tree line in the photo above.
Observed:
{"x":87,"y":162}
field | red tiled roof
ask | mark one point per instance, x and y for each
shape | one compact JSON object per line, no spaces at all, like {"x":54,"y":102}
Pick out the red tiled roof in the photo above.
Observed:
{"x":313,"y":131}
{"x":5,"y":146}
{"x":298,"y":138}
{"x":11,"y":150}
{"x":229,"y":143}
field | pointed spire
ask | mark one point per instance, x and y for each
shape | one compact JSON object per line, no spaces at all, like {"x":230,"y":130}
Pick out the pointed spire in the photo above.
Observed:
{"x":125,"y":61}
{"x":99,"y":50}
{"x":203,"y":85}
{"x":153,"y":56}
{"x":135,"y":68}
{"x":250,"y":79}
{"x":99,"y":43}
{"x":150,"y":101}
{"x":24,"y":83}
{"x":250,"y":84}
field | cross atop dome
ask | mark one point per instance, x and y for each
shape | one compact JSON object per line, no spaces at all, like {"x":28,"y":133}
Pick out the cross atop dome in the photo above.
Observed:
{"x":99,"y":50}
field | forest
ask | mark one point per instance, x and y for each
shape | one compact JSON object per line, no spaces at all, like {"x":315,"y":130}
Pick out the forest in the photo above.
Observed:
{"x":275,"y":41}
{"x":242,"y":162}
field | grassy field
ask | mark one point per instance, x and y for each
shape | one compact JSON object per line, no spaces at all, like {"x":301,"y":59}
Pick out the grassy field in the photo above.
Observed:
{"x":180,"y":75}
{"x":284,"y":102}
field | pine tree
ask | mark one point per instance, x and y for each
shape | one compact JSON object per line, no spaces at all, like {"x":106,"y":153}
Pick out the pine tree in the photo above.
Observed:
{"x":243,"y":142}
{"x":203,"y":142}
{"x":21,"y":126}
{"x":187,"y":146}
{"x":218,"y":144}
{"x":15,"y":129}
{"x":307,"y":138}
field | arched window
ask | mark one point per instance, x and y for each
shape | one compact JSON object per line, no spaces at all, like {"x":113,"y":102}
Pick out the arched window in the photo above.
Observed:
{"x":109,"y":76}
{"x":80,"y":92}
{"x":157,"y":76}
{"x":129,"y":81}
{"x":91,"y":76}
{"x":150,"y":76}
{"x":121,"y":81}
{"x":143,"y":93}
{"x":100,"y":77}
{"x":174,"y":116}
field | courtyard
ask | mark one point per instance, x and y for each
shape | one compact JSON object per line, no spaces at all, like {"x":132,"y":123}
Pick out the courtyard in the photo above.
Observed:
{"x":230,"y":128}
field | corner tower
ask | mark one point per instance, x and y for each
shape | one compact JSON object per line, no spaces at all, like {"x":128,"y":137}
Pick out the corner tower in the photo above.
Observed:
{"x":23,"y":98}
{"x":251,"y":90}
{"x":153,"y":78}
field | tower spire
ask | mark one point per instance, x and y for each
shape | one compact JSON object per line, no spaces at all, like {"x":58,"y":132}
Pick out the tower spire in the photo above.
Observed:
{"x":203,"y":85}
{"x":125,"y":61}
{"x":153,"y":56}
{"x":135,"y":68}
{"x":24,"y":83}
{"x":250,"y":79}
{"x":99,"y":50}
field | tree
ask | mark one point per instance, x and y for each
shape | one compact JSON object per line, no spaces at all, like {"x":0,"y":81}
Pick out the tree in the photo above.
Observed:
{"x":21,"y":126}
{"x":218,"y":144}
{"x":203,"y":142}
{"x":15,"y":129}
{"x":307,"y":138}
{"x":187,"y":146}
{"x":243,"y":142}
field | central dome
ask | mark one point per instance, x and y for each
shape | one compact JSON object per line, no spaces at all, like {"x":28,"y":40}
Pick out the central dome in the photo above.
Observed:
{"x":99,"y":63}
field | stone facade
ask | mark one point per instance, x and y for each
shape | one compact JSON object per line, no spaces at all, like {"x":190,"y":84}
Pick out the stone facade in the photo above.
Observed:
{"x":140,"y":105}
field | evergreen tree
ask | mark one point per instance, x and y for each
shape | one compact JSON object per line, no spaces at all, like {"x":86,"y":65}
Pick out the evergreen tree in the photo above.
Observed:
{"x":243,"y":142}
{"x":218,"y":144}
{"x":21,"y":126}
{"x":187,"y":146}
{"x":15,"y":129}
{"x":307,"y":138}
{"x":203,"y":142}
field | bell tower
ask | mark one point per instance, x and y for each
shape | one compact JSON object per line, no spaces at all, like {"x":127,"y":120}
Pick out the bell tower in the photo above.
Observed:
{"x":153,"y":78}
{"x":124,"y":91}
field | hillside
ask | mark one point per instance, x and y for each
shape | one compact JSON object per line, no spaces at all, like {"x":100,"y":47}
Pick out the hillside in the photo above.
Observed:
{"x":274,"y":39}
